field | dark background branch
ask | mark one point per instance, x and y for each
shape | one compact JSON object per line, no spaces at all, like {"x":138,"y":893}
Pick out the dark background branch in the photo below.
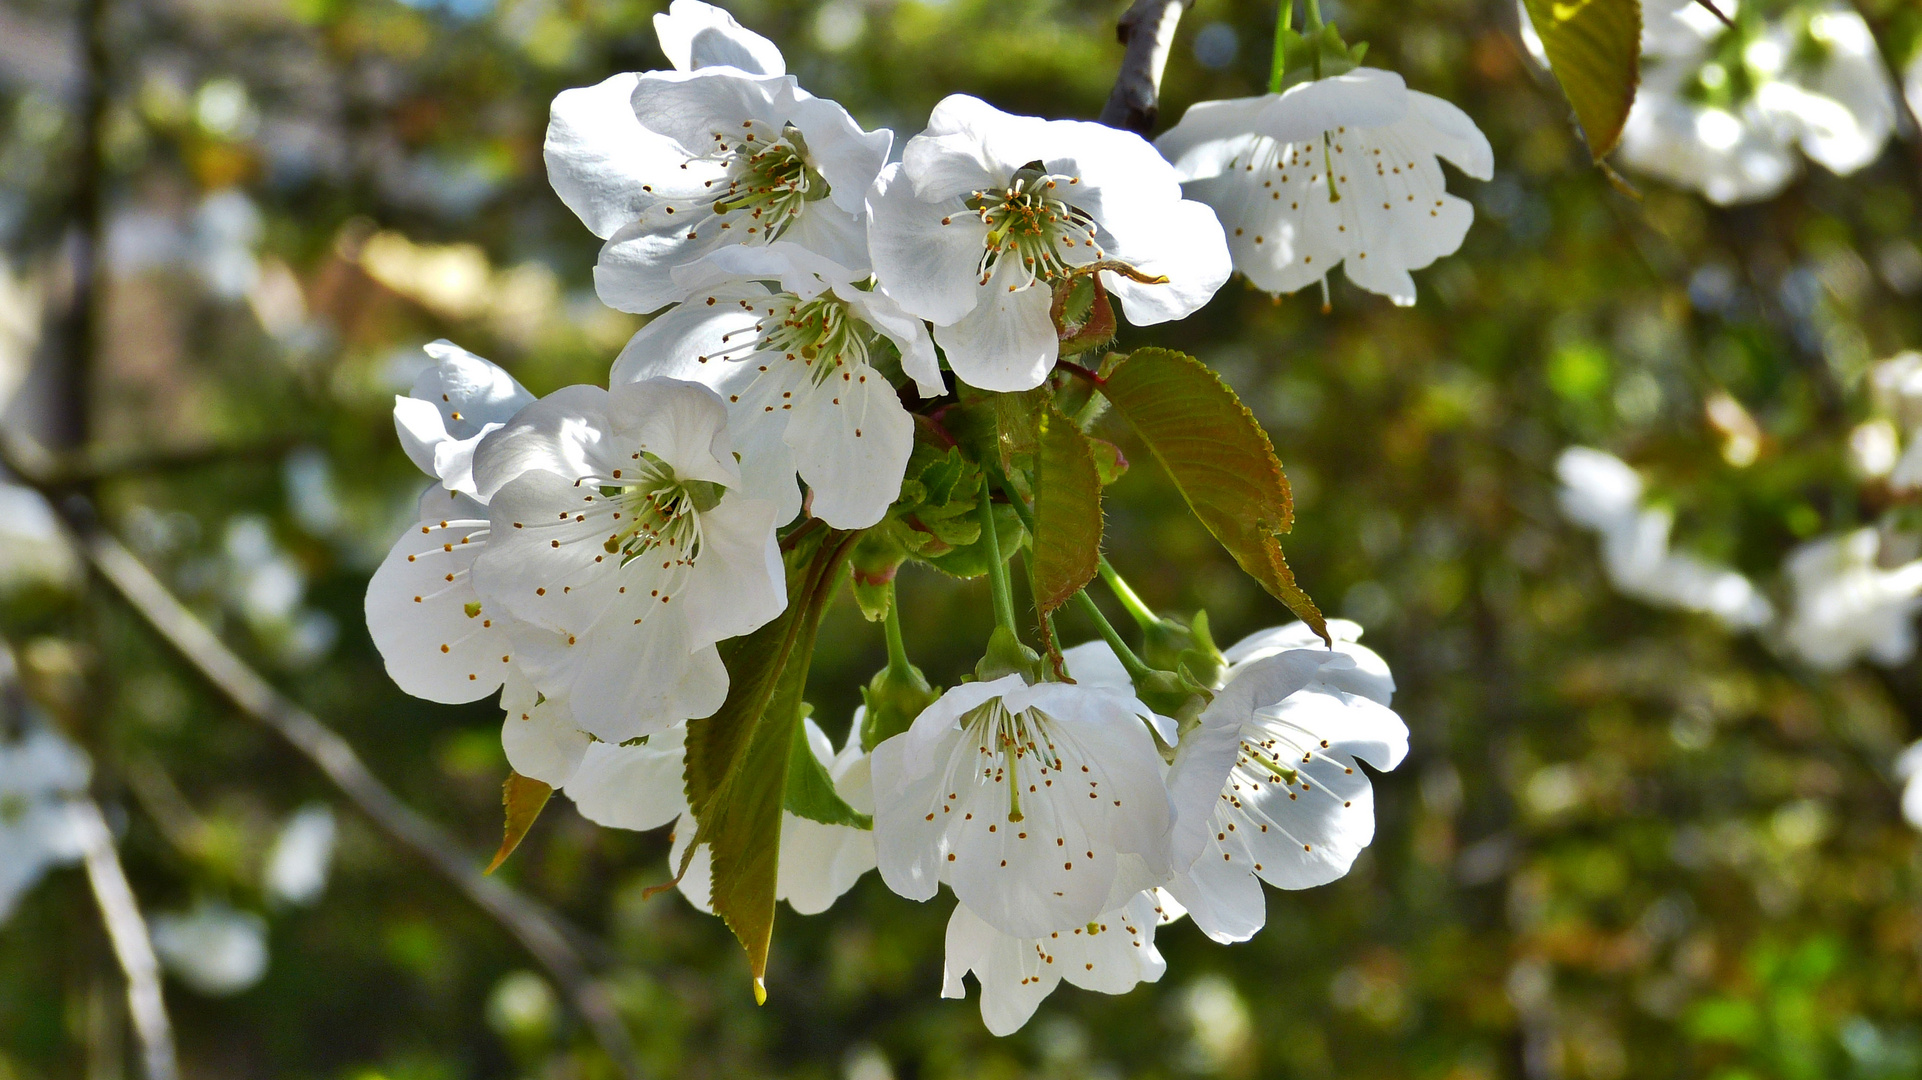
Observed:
{"x":1147,"y":28}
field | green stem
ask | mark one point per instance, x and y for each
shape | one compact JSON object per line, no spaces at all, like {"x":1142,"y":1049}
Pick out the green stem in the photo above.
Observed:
{"x":1278,"y":66}
{"x":997,"y":570}
{"x":897,"y":651}
{"x":1311,"y":24}
{"x":1142,"y":614}
{"x":1136,"y":669}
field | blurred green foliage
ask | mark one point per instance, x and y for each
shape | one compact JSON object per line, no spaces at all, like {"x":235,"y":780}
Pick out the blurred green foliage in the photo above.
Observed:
{"x":1624,"y":844}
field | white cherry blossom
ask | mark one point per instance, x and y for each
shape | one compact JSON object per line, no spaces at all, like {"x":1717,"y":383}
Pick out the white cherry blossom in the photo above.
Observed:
{"x":1336,"y":171}
{"x":1724,"y":110}
{"x":1846,"y":606}
{"x":1030,"y":802}
{"x":818,"y":862}
{"x":38,"y":775}
{"x":787,"y":337}
{"x":696,"y":35}
{"x":1110,"y":954}
{"x":668,"y":166}
{"x":621,"y":549}
{"x":1278,"y":752}
{"x":421,"y":607}
{"x":986,"y":211}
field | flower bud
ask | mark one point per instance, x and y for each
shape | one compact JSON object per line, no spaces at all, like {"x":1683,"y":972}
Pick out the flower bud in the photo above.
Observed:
{"x":894,"y":697}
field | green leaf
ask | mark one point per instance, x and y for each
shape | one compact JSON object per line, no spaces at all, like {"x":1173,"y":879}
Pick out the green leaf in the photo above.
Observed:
{"x":737,"y":759}
{"x":1221,"y":460}
{"x":810,"y":790}
{"x":524,"y":799}
{"x":1067,"y":512}
{"x":1595,"y":48}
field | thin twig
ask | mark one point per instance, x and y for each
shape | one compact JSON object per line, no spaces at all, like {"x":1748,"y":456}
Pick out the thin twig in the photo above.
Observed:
{"x":1147,"y":28}
{"x":131,"y":945}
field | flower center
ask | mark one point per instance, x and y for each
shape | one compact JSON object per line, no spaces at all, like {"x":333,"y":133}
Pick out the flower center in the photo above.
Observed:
{"x":656,"y":513}
{"x":1006,"y":739}
{"x":820,"y":333}
{"x":1030,"y":221}
{"x":770,"y":179}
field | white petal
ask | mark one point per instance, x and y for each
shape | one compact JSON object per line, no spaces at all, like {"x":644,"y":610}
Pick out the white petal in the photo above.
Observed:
{"x":852,"y":438}
{"x":603,"y":164}
{"x":849,"y":158}
{"x":1209,"y":135}
{"x":556,"y":434}
{"x":737,"y":585}
{"x":1013,"y":973}
{"x":543,"y":744}
{"x":1223,"y":897}
{"x":702,"y":342}
{"x":909,"y":335}
{"x":1183,"y":242}
{"x":1362,"y":98}
{"x":696,"y":883}
{"x":632,"y":787}
{"x":931,"y":269}
{"x":1007,"y":342}
{"x":696,"y":35}
{"x":424,"y":614}
{"x":690,"y":107}
{"x":1093,"y":663}
{"x":820,"y":862}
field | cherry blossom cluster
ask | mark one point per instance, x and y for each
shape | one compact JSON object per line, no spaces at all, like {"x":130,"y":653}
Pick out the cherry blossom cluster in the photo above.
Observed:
{"x":814,"y":307}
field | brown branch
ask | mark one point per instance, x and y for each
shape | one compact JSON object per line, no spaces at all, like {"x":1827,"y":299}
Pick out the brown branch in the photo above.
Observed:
{"x":538,"y":930}
{"x":1147,"y":28}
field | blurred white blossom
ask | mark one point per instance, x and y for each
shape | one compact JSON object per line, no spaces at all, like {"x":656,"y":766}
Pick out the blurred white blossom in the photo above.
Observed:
{"x":1603,"y":495}
{"x":38,"y":775}
{"x":1847,"y":607}
{"x":1724,"y":110}
{"x":302,"y":854}
{"x":212,"y":948}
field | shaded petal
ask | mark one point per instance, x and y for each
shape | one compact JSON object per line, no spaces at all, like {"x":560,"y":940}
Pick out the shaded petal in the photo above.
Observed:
{"x":852,"y":438}
{"x":1007,"y":342}
{"x":1182,"y":242}
{"x":632,"y":787}
{"x":543,"y":744}
{"x":931,"y":269}
{"x":423,"y":611}
{"x":603,"y":164}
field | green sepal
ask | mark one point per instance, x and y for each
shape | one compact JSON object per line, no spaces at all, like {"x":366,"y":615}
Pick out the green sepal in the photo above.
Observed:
{"x":1316,"y":54}
{"x":1007,"y":656}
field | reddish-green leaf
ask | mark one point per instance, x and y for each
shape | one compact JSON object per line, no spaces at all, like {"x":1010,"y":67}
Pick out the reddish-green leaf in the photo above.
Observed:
{"x":1220,"y":458}
{"x":1067,"y":511}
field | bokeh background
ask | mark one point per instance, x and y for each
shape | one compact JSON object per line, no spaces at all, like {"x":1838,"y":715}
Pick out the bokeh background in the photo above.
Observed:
{"x":1625,"y":843}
